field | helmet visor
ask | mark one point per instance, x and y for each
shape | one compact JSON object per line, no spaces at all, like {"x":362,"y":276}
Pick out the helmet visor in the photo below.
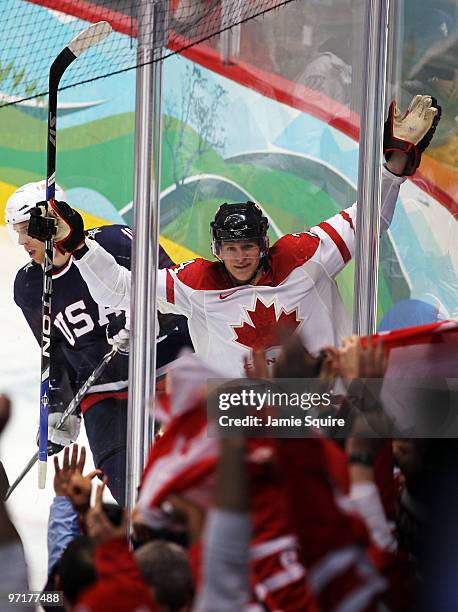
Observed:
{"x":232,"y":250}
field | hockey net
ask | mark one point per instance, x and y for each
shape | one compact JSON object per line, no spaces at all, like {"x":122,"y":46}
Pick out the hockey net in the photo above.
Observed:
{"x":33,"y":43}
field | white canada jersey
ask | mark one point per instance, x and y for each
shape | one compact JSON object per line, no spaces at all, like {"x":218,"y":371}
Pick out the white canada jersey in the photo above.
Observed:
{"x":228,"y":322}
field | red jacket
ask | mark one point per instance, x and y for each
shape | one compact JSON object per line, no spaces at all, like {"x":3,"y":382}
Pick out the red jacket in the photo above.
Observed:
{"x":120,"y":586}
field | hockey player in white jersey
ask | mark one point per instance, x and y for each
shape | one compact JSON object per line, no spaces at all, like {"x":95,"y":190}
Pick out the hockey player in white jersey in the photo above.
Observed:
{"x":238,"y":303}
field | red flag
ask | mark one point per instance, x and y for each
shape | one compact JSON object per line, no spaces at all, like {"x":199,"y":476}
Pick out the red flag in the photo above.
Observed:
{"x":425,"y":350}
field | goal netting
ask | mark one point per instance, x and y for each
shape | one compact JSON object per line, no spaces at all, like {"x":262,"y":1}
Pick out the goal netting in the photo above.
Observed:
{"x":33,"y":40}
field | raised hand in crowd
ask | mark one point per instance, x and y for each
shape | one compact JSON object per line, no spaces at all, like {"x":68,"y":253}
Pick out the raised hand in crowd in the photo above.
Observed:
{"x":70,"y":465}
{"x":63,"y":525}
{"x":231,"y":479}
{"x":69,"y":480}
{"x":329,"y":370}
{"x":354,"y":360}
{"x":295,"y":361}
{"x":79,"y":492}
{"x":362,"y":367}
{"x":358,"y":360}
{"x":226,"y":552}
{"x":189,"y":514}
{"x":98,"y":525}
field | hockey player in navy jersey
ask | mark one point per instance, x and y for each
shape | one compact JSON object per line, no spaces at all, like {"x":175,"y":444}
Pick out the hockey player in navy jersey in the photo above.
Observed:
{"x":236,"y":304}
{"x":79,"y":338}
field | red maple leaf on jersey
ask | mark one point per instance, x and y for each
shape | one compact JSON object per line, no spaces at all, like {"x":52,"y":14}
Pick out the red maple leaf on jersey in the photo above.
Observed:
{"x":263,"y":331}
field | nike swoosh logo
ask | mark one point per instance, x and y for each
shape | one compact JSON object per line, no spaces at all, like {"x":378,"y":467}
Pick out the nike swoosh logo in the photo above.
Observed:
{"x":226,"y":295}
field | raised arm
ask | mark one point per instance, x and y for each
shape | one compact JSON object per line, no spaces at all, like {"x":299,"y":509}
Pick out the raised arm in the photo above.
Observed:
{"x":405,"y":139}
{"x":108,"y":281}
{"x":225,"y":584}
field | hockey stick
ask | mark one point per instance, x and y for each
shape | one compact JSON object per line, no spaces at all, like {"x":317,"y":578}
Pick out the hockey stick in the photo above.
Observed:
{"x":71,"y":409}
{"x":91,"y":36}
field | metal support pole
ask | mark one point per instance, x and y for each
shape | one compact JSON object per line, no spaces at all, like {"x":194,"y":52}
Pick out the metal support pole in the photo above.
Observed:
{"x":369,"y":170}
{"x":155,"y":229}
{"x":394,"y":51}
{"x":145,"y":246}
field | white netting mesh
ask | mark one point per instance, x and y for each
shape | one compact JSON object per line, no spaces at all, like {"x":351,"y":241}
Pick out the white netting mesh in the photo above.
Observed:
{"x":29,"y":39}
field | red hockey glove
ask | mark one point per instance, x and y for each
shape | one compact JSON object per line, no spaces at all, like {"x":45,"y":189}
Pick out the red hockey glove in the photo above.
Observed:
{"x":412,"y":132}
{"x":70,"y":228}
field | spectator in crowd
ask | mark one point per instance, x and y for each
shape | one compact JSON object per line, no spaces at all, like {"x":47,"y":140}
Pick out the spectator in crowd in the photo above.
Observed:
{"x":330,"y":72}
{"x":63,"y":524}
{"x":95,"y":568}
{"x":119,"y":585}
{"x":165,"y":569}
{"x":13,"y":577}
{"x":301,"y":524}
{"x":75,"y":570}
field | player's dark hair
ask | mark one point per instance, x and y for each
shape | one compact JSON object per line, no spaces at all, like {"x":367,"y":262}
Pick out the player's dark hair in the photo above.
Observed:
{"x":165,"y":568}
{"x":76,"y":568}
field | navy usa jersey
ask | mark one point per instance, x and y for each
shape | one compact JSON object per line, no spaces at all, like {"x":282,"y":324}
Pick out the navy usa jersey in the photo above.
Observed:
{"x":78,"y":339}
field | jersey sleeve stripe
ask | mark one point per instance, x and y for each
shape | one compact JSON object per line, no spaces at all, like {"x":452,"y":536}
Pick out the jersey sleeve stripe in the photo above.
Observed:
{"x":95,"y":398}
{"x":169,"y":288}
{"x":337,"y":239}
{"x":347,"y":218}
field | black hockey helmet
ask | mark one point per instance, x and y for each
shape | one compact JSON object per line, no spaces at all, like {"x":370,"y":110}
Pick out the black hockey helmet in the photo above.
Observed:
{"x":241,"y":221}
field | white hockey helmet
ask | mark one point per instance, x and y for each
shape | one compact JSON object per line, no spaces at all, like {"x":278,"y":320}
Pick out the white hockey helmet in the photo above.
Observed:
{"x":21,"y":202}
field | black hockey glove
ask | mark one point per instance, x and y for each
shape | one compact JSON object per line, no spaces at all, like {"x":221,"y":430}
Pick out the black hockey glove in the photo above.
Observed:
{"x":412,"y":132}
{"x":118,"y":332}
{"x":41,"y":227}
{"x":68,"y":226}
{"x":168,"y":323}
{"x":54,"y":449}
